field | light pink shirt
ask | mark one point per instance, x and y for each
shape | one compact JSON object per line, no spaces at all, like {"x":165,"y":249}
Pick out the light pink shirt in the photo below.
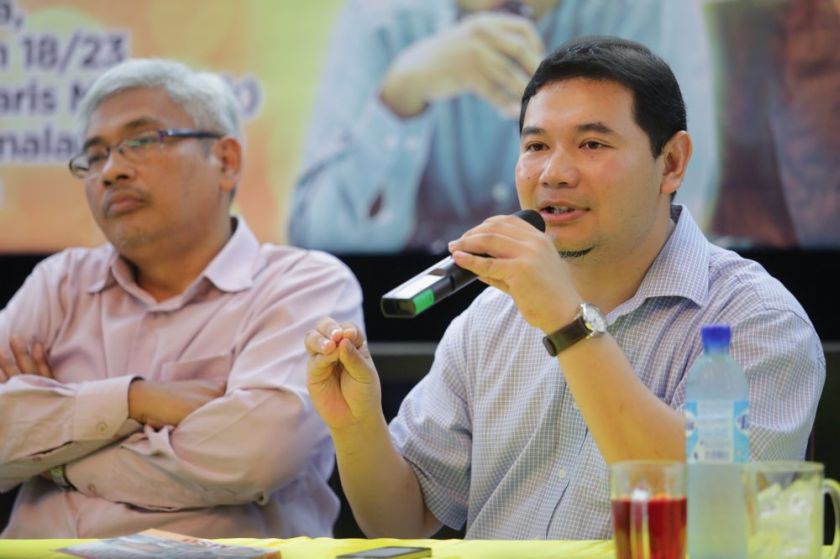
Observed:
{"x":253,"y":463}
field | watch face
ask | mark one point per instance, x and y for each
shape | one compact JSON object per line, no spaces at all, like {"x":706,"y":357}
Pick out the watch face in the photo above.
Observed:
{"x":593,"y":318}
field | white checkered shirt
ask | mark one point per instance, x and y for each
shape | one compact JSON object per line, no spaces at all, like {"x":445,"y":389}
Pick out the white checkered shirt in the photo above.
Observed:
{"x":493,"y":432}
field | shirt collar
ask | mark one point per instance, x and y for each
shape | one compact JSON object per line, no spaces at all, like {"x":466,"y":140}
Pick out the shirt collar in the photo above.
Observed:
{"x":234,"y":267}
{"x":231,"y":270}
{"x":681,"y":269}
{"x":104,"y":276}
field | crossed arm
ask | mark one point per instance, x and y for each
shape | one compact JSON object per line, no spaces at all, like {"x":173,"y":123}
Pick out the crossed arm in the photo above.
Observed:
{"x":152,"y":403}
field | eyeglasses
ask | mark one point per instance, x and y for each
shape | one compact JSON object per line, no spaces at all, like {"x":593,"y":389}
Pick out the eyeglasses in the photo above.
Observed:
{"x":135,"y":149}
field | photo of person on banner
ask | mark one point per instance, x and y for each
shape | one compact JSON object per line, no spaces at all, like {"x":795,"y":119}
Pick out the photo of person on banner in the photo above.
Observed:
{"x":780,"y":139}
{"x":414,"y":134}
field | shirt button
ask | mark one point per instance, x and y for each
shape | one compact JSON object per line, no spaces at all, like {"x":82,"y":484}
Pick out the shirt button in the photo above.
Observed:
{"x":561,"y":474}
{"x":101,"y":427}
{"x":390,"y":141}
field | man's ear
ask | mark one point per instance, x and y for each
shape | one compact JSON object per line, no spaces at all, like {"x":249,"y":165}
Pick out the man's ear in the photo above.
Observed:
{"x":228,"y":153}
{"x":675,"y":155}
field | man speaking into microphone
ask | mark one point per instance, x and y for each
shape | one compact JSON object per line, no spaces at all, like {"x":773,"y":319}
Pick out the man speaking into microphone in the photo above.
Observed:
{"x":576,"y":356}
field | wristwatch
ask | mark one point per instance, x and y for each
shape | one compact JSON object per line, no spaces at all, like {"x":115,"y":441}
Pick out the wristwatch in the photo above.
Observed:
{"x":589,"y":322}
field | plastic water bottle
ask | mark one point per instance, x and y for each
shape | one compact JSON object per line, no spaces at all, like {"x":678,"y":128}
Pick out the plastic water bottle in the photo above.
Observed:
{"x":717,"y":443}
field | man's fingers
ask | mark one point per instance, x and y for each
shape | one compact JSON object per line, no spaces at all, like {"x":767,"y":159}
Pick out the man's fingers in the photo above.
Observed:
{"x":329,"y":328}
{"x":499,"y":97}
{"x":332,"y":330}
{"x":24,"y":360}
{"x":194,"y":392}
{"x":499,"y":80}
{"x":514,"y":37}
{"x":489,"y":244}
{"x":321,"y":366}
{"x":317,"y":343}
{"x":215,"y":388}
{"x":40,"y":356}
{"x":498,"y":284}
{"x":352,"y":333}
{"x":492,"y":271}
{"x":328,"y":334}
{"x":511,"y":225}
{"x":355,"y":362}
{"x":501,"y":236}
{"x":479,"y":265}
{"x":501,"y":61}
{"x":8,"y":365}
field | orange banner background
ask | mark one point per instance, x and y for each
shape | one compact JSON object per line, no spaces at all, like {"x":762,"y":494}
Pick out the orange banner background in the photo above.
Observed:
{"x":271,"y":50}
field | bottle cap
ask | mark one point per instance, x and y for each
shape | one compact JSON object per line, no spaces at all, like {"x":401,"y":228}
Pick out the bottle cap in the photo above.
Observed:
{"x":715,"y":337}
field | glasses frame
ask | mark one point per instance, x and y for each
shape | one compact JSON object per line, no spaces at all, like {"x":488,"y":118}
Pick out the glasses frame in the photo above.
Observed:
{"x":82,"y":172}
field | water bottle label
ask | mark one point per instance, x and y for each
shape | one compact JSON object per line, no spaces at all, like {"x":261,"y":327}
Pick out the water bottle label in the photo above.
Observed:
{"x":717,"y":431}
{"x":690,"y":411}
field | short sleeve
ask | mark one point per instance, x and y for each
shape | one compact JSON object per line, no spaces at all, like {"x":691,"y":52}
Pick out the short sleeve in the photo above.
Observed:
{"x":433,"y":431}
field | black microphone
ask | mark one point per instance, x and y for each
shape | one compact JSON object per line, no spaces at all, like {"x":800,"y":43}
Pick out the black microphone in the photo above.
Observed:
{"x":434,"y":284}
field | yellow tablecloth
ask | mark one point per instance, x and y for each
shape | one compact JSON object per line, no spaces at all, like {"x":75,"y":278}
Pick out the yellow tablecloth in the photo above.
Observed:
{"x":326,"y":548}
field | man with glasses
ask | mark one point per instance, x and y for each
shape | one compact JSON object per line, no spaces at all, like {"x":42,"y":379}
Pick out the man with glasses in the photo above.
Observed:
{"x":158,"y":380}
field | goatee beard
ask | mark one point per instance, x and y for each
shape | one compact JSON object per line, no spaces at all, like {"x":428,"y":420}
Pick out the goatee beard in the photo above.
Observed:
{"x":574,"y":253}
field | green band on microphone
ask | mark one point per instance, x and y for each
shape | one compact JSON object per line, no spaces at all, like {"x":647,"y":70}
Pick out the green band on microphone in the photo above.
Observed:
{"x":423,"y":301}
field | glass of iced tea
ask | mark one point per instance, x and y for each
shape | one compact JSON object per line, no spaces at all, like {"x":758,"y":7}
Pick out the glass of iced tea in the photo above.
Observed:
{"x":649,"y":509}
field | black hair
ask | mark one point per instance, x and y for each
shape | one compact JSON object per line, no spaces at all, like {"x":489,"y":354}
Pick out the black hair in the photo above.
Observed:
{"x":658,"y":105}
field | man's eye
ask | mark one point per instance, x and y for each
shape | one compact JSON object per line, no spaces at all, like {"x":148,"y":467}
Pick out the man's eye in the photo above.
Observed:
{"x":96,"y":157}
{"x":535,"y":146}
{"x":141,"y":141}
{"x":592,"y":145}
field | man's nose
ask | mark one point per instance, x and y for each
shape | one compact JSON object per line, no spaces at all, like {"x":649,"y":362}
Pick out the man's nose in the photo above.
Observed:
{"x":115,"y":168}
{"x":560,"y":170}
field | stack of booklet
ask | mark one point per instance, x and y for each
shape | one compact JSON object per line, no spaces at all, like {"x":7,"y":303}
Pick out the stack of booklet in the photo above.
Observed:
{"x":157,"y":543}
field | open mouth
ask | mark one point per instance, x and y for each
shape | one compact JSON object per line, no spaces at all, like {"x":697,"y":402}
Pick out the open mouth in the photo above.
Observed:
{"x":558,"y":210}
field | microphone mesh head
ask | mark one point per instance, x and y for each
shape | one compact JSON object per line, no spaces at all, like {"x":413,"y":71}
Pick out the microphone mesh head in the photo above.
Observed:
{"x":533,"y":217}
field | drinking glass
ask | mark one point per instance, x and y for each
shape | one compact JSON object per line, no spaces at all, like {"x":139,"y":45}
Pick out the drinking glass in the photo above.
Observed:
{"x":649,"y":509}
{"x":785,"y":509}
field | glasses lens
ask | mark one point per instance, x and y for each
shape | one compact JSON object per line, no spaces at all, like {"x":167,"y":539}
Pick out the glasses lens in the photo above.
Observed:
{"x":79,"y":166}
{"x":138,"y":146}
{"x":93,"y":159}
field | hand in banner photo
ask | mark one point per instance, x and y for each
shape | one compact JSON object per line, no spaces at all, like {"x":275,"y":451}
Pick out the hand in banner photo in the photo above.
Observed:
{"x":491,"y":54}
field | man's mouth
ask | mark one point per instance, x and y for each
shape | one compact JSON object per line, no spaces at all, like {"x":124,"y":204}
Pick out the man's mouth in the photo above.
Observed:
{"x":557,"y":210}
{"x":122,"y":203}
{"x":561,"y":213}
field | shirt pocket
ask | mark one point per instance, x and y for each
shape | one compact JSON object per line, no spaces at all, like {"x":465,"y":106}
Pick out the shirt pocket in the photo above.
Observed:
{"x":214,"y":367}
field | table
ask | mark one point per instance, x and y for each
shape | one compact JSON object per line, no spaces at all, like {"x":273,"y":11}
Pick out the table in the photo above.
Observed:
{"x":326,"y":548}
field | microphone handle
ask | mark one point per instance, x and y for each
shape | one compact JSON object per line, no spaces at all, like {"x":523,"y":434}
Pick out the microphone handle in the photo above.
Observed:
{"x":436,"y":283}
{"x":459,"y":277}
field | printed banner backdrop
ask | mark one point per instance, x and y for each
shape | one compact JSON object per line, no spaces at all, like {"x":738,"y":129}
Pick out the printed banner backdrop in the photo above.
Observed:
{"x":329,"y":166}
{"x":51,"y":50}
